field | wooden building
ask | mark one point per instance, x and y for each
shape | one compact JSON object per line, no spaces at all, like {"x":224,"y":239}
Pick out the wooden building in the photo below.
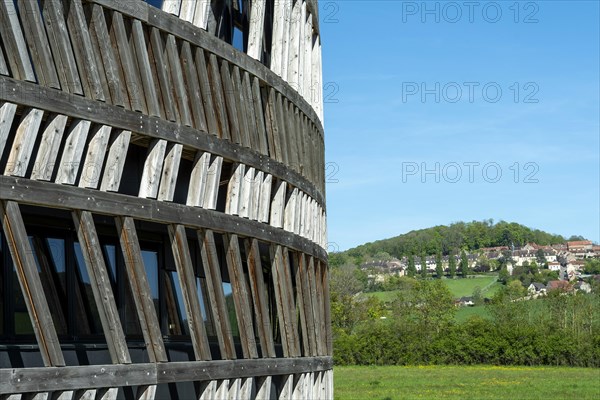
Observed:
{"x":162,"y":198}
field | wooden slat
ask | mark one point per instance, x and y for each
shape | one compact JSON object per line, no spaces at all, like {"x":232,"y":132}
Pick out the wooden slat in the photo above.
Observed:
{"x":212,"y":183}
{"x":290,"y":211}
{"x":25,"y":138}
{"x":285,"y":38}
{"x":241,"y":295}
{"x":291,"y":304}
{"x":242,"y":105}
{"x":263,"y":147}
{"x":319,"y":276}
{"x":58,"y":37}
{"x":231,"y":103}
{"x":188,"y":7}
{"x":170,"y":172}
{"x":45,"y":161}
{"x":178,"y":84}
{"x":115,"y":161}
{"x":14,"y":42}
{"x":263,"y":391}
{"x":272,"y":125}
{"x":31,"y":286}
{"x":145,"y":70}
{"x":7,"y":114}
{"x":264,"y":207}
{"x":187,"y":282}
{"x":72,"y":152}
{"x":260,"y":301}
{"x":202,"y":13}
{"x":303,"y":284}
{"x":234,"y":189}
{"x":278,"y":205}
{"x":101,"y":287}
{"x":94,"y":159}
{"x":163,"y":74}
{"x":3,"y":66}
{"x":44,"y":379}
{"x":307,"y":60}
{"x":152,"y":169}
{"x":214,"y":78}
{"x":109,"y":58}
{"x":214,"y":284}
{"x":316,"y":315}
{"x":246,"y":196}
{"x":316,"y":98}
{"x":205,"y":87}
{"x":256,"y":192}
{"x":171,"y":6}
{"x":198,"y":180}
{"x":296,"y":36}
{"x":284,"y":300}
{"x":279,"y":24}
{"x":35,"y":33}
{"x":253,"y":138}
{"x":128,"y":63}
{"x":193,"y":87}
{"x":327,"y":310}
{"x":82,"y":48}
{"x":286,"y":391}
{"x":140,"y":289}
{"x":257,"y":28}
{"x":282,"y":133}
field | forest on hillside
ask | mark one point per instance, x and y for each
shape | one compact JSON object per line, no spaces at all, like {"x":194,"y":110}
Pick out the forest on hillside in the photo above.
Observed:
{"x":466,"y":236}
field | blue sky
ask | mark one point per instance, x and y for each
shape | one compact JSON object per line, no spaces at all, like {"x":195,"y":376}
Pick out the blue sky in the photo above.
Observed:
{"x":381,"y":132}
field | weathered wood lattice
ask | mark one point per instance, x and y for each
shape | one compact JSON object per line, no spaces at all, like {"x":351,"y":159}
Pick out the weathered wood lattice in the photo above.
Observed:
{"x":162,"y":201}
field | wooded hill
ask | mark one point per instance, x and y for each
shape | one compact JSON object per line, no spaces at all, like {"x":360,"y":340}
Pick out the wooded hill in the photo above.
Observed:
{"x":459,"y":235}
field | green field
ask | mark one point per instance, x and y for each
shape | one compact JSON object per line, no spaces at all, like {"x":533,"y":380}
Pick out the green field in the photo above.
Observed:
{"x":470,"y":382}
{"x":464,"y":313}
{"x":458,"y":287}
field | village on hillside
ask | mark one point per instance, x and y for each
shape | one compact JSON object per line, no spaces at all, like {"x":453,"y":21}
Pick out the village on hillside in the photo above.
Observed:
{"x":566,"y":260}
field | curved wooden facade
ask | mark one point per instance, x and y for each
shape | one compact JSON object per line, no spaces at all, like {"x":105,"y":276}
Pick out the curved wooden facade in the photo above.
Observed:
{"x":162,"y":197}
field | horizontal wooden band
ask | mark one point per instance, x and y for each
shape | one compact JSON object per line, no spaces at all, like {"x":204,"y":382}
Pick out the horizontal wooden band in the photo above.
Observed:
{"x":33,"y":95}
{"x":52,"y":379}
{"x":54,"y":195}
{"x":199,"y":37}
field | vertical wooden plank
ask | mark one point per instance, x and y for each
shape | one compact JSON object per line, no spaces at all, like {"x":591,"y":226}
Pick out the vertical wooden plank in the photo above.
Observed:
{"x":212,"y":183}
{"x":94,"y":159}
{"x":298,"y":213}
{"x":193,"y":87}
{"x":145,"y":70}
{"x":320,"y":95}
{"x":171,"y":6}
{"x":316,"y":98}
{"x":170,"y":172}
{"x":31,"y":285}
{"x":242,"y":104}
{"x":35,"y":34}
{"x":59,"y":41}
{"x":205,"y":88}
{"x":316,"y":315}
{"x":109,"y":60}
{"x":287,"y":388}
{"x":291,"y":304}
{"x":188,"y":8}
{"x":234,"y":188}
{"x":253,"y":138}
{"x":101,"y":287}
{"x":307,"y":60}
{"x":128,"y":63}
{"x":263,"y":385}
{"x":82,"y":47}
{"x":260,"y":117}
{"x":202,"y":13}
{"x":299,"y":392}
{"x":177,"y":78}
{"x":3,"y":66}
{"x":140,"y":289}
{"x":257,"y":29}
{"x":115,"y":162}
{"x":290,"y":211}
{"x":285,"y":38}
{"x":25,"y":137}
{"x":319,"y":277}
{"x":256,"y":192}
{"x":246,"y":197}
{"x":45,"y":161}
{"x":72,"y":152}
{"x":214,"y":284}
{"x":230,"y":103}
{"x":327,"y":310}
{"x":241,"y":295}
{"x":301,"y":302}
{"x":219,"y":101}
{"x":187,"y":282}
{"x":164,"y":76}
{"x":282,"y":136}
{"x":296,"y":38}
{"x":259,"y":291}
{"x":279,"y":26}
{"x":14,"y":42}
{"x":273,"y":127}
{"x":7,"y":114}
{"x":152,"y":169}
{"x":278,"y":205}
{"x":264,"y":207}
{"x":303,"y":284}
{"x":198,"y":180}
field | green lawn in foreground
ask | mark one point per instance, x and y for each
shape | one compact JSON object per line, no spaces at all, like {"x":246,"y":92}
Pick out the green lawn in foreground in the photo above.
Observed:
{"x":470,"y":382}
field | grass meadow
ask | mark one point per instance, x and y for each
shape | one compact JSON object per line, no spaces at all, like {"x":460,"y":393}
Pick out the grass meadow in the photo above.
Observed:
{"x":466,"y":382}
